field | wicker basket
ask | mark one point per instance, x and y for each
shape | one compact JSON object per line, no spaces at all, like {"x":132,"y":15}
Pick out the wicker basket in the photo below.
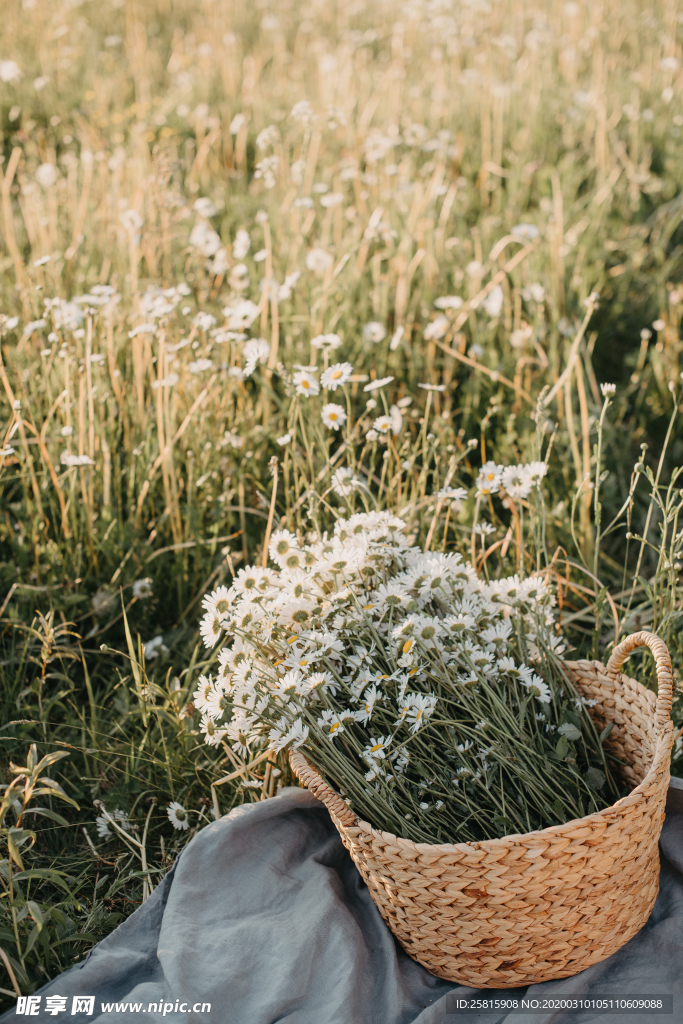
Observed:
{"x":529,"y":908}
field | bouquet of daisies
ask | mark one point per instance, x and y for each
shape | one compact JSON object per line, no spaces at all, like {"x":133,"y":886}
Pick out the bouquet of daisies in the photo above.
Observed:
{"x":433,"y":701}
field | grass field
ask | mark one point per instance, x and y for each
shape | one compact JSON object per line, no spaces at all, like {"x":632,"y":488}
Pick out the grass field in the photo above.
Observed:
{"x":485,"y":197}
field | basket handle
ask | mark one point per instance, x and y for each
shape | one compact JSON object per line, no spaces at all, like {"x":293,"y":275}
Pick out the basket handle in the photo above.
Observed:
{"x":662,"y":663}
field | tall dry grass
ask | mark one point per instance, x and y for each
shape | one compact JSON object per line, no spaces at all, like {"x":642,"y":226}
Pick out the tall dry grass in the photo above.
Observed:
{"x":521,"y":159}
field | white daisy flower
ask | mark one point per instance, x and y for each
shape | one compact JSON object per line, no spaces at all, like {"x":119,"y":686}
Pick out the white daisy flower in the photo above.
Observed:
{"x":418,"y":708}
{"x":536,"y":471}
{"x":211,"y":629}
{"x":437,"y":328}
{"x":382,"y":424}
{"x":305,"y":383}
{"x":333,"y":416}
{"x":318,"y":261}
{"x":332,"y":722}
{"x":376,"y":750}
{"x":248,"y":580}
{"x":327,"y":342}
{"x":374,"y":332}
{"x":488,"y":481}
{"x":370,"y":698}
{"x":177,"y":815}
{"x":345,"y":482}
{"x":283,"y":547}
{"x":336,"y":376}
{"x":375,"y":385}
{"x":516,"y":481}
{"x":218,"y":602}
{"x":102,"y":823}
{"x":211,"y":732}
{"x":238,"y":732}
{"x":539,"y":688}
{"x":203,"y":694}
{"x":142,"y":588}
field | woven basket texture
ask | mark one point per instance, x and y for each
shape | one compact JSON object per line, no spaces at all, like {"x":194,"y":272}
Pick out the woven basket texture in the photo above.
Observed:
{"x":529,"y":908}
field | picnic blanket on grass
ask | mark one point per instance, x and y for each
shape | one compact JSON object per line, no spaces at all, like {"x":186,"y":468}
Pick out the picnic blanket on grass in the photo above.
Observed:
{"x":264,"y":918}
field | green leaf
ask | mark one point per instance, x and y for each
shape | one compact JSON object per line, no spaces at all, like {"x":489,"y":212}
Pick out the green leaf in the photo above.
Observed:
{"x":573,"y":717}
{"x":32,"y":939}
{"x":46,"y":813}
{"x":595,"y":779}
{"x":52,"y":758}
{"x":562,"y":747}
{"x":559,"y":809}
{"x":36,"y":913}
{"x":45,"y":874}
{"x":569,"y":731}
{"x":53,"y":788}
{"x":606,"y":732}
{"x":13,"y":850}
{"x":74,"y":937}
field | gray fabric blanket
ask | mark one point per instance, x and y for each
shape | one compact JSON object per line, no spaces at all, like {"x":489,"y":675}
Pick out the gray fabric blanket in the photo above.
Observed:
{"x":265,"y":919}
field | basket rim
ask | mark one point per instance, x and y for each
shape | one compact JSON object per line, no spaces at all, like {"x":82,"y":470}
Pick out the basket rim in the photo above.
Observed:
{"x":663,"y":745}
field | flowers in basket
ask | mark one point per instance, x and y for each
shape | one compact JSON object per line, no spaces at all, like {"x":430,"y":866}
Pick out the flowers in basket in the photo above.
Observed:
{"x":433,"y":701}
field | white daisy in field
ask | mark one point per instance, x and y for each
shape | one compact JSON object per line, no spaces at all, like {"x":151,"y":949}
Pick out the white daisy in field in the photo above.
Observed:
{"x":335,"y":376}
{"x":238,"y":733}
{"x":437,"y":328}
{"x":218,"y":601}
{"x":345,"y":482}
{"x":10,"y":71}
{"x":382,"y":424}
{"x":211,"y":628}
{"x":536,"y":471}
{"x":102,"y":823}
{"x":255,"y":351}
{"x":211,"y":732}
{"x":452,"y":494}
{"x":283,"y":545}
{"x":375,"y":385}
{"x":516,"y":481}
{"x":374,"y":332}
{"x":305,"y":383}
{"x":327,"y":342}
{"x":484,"y":529}
{"x":177,"y":815}
{"x":218,"y":703}
{"x":284,"y":439}
{"x":488,"y":480}
{"x":318,"y":261}
{"x":203,"y":694}
{"x":333,"y":416}
{"x":142,"y":588}
{"x":528,"y":231}
{"x":248,"y":580}
{"x":448,"y":302}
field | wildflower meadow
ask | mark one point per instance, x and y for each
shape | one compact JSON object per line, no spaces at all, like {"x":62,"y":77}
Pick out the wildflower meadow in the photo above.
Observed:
{"x":279,"y":281}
